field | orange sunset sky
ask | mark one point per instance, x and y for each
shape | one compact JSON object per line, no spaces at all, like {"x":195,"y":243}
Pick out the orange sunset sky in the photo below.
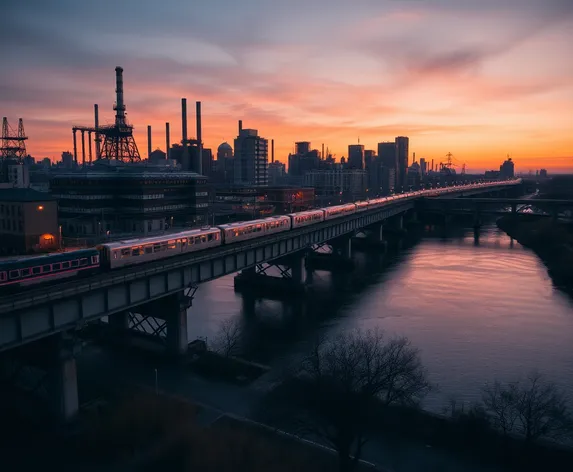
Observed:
{"x":480,"y":79}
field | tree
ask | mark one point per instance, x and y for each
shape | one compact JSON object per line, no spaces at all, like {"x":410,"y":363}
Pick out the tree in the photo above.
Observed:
{"x":227,"y":341}
{"x":532,"y":407}
{"x":338,"y":388}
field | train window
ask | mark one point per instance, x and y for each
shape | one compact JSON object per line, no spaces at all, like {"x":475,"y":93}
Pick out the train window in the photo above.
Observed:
{"x":83,"y":261}
{"x":149,"y":249}
{"x":57,"y":266}
{"x":3,"y":277}
{"x":14,"y":274}
{"x":125,"y":252}
{"x":163,"y":247}
{"x":46,"y":268}
{"x":156,"y":247}
{"x":135,"y":251}
{"x":190,"y":241}
{"x":66,"y":265}
{"x":75,"y":263}
{"x":36,"y":270}
{"x":210,"y":237}
{"x":197,"y":240}
{"x":25,"y":272}
{"x":172,"y":244}
{"x":95,"y":259}
{"x":203,"y":238}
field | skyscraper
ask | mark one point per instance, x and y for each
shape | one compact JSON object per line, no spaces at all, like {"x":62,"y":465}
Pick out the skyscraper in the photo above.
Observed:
{"x":356,"y":156}
{"x":251,"y":158}
{"x":389,"y":160}
{"x":402,"y":145}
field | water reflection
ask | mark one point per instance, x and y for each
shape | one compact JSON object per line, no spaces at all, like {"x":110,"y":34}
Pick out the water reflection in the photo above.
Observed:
{"x":476,"y":309}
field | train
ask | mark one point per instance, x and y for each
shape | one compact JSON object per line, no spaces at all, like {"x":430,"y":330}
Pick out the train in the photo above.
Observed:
{"x":25,"y":271}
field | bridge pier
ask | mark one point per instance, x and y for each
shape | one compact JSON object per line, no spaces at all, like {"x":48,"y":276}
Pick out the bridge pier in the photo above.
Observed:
{"x":337,"y":256}
{"x":176,"y":319}
{"x":278,"y":279}
{"x":41,"y":378}
{"x":374,"y":237}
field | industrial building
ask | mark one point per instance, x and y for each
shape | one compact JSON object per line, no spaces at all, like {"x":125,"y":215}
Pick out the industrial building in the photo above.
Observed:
{"x":113,"y":198}
{"x":28,"y":221}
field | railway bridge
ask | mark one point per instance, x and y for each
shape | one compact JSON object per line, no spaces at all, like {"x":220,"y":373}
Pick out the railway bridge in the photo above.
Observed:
{"x":37,"y":326}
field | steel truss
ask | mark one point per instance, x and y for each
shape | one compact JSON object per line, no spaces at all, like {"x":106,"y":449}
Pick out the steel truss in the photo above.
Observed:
{"x":323,"y":248}
{"x":285,"y":271}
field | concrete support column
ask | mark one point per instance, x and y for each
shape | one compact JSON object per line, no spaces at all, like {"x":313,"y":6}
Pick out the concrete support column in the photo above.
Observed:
{"x":119,"y":326}
{"x":296,"y":267}
{"x":62,"y":381}
{"x":176,"y":318}
{"x":379,"y":233}
{"x":344,"y":247}
{"x":400,"y":222}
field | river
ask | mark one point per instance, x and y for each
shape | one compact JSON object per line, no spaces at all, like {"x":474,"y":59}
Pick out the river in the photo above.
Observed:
{"x":477,"y":311}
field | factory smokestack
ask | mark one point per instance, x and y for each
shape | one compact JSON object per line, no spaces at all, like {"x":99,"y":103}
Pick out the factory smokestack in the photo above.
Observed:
{"x":167,"y":141}
{"x":119,"y":105}
{"x":432,"y":165}
{"x":272,"y":150}
{"x":97,"y":140}
{"x":148,"y":141}
{"x":199,"y":139}
{"x":240,"y":126}
{"x":322,"y":151}
{"x":185,"y":157}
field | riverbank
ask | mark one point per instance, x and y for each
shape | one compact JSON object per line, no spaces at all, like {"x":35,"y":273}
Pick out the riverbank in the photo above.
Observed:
{"x":551,"y":240}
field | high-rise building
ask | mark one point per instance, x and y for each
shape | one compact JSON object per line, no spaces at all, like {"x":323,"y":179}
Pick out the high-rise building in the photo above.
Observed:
{"x":507,"y":169}
{"x":423,"y":166}
{"x":276,"y":173}
{"x":356,"y":156}
{"x":251,"y":158}
{"x":67,"y":160}
{"x":389,"y":160}
{"x":302,"y":147}
{"x":402,"y":148}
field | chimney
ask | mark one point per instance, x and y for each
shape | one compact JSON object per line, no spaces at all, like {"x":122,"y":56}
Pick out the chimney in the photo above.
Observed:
{"x":432,"y":165}
{"x":185,"y":157}
{"x":199,"y":141}
{"x":148,"y":141}
{"x":240,"y":126}
{"x":167,"y":143}
{"x":119,"y":105}
{"x":413,"y":158}
{"x":272,"y":150}
{"x":97,"y":140}
{"x":322,"y":156}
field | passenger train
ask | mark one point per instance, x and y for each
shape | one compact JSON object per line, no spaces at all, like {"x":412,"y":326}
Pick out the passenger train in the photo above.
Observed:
{"x":21,"y":272}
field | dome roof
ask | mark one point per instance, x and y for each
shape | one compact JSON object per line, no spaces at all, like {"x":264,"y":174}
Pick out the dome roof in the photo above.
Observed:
{"x":224,"y":147}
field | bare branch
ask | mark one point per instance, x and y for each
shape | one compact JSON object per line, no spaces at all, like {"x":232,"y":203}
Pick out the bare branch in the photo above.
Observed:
{"x":227,"y":340}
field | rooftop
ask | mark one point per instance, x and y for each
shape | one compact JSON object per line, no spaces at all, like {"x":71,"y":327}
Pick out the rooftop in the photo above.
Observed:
{"x":23,"y":195}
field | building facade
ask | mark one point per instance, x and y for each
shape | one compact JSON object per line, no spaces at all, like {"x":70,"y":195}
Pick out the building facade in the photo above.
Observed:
{"x":355,"y":157}
{"x":402,"y":153}
{"x":113,"y":200}
{"x":337,"y":185}
{"x":28,"y":221}
{"x":251,"y":159}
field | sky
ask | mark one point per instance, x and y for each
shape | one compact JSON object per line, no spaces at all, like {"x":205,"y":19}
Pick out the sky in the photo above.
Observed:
{"x":480,"y":79}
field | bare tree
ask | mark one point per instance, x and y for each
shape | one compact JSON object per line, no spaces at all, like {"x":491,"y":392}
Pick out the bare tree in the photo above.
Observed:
{"x":500,"y":404}
{"x":344,"y":381}
{"x":532,"y":407}
{"x":227,"y":340}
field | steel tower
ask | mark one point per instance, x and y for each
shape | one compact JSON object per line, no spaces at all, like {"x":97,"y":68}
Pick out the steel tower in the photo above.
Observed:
{"x":13,"y":144}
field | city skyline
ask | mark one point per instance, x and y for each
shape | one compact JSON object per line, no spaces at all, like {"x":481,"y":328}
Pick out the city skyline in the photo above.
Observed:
{"x":453,"y":77}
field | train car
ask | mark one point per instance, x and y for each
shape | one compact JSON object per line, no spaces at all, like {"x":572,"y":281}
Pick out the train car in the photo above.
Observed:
{"x":305,"y":218}
{"x":244,"y":230}
{"x":24,"y":271}
{"x":339,"y":211}
{"x":362,"y":206}
{"x":378,"y":202}
{"x":136,"y":251}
